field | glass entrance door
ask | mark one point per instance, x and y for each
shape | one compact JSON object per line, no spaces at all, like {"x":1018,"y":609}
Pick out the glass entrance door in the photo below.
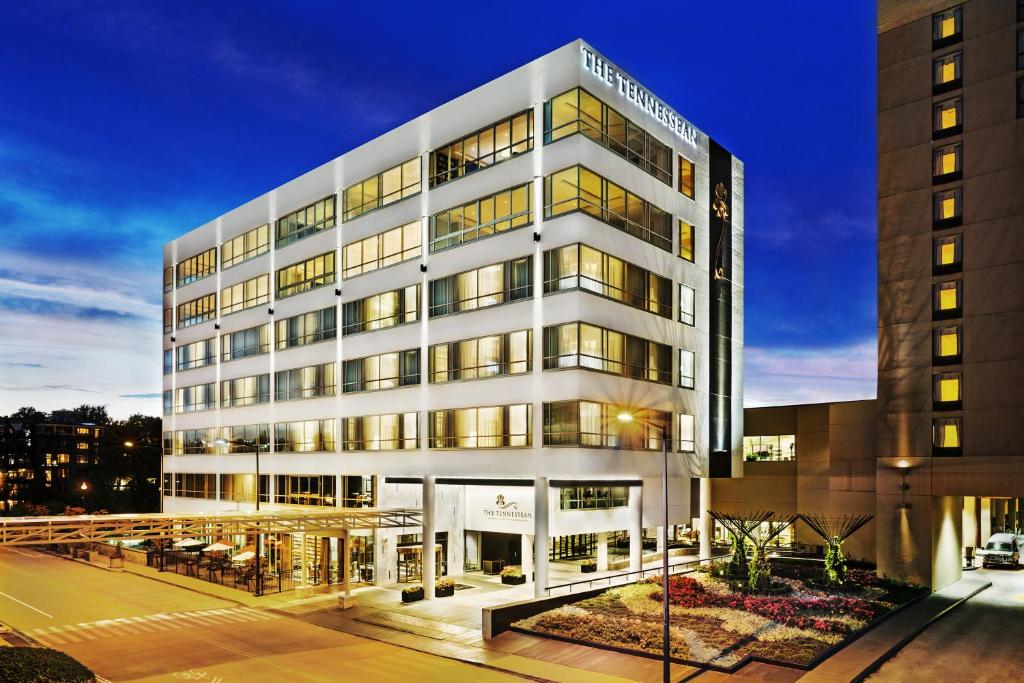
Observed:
{"x":572,"y":547}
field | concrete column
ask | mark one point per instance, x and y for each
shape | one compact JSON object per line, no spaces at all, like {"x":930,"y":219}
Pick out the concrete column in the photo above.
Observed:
{"x":428,"y":537}
{"x":345,"y":600}
{"x":986,"y":520}
{"x":970,"y":537}
{"x":303,"y":560}
{"x":636,"y":528}
{"x":706,"y":522}
{"x":540,"y":536}
{"x":661,"y":539}
{"x":527,"y":553}
{"x":602,"y":551}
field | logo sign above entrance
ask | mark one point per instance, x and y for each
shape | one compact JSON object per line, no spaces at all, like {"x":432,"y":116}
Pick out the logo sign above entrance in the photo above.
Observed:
{"x":612,"y":77}
{"x":502,"y":509}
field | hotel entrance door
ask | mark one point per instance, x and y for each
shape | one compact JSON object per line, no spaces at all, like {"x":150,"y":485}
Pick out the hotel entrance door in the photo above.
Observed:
{"x":572,"y":547}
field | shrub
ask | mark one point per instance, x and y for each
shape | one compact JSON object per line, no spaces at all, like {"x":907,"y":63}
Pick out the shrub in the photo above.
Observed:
{"x":412,"y":590}
{"x":835,"y":562}
{"x":738,"y":562}
{"x":589,"y":563}
{"x":41,"y":665}
{"x":444,"y":583}
{"x":511,"y":571}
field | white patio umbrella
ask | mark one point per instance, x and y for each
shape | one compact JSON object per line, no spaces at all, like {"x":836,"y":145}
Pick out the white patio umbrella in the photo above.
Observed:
{"x":187,"y":543}
{"x":242,"y":557}
{"x":217,"y":547}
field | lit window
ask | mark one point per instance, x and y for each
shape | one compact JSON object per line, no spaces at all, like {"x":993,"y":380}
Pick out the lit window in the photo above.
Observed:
{"x":306,"y":275}
{"x":946,"y":70}
{"x":686,"y":369}
{"x":687,"y":433}
{"x":947,"y":206}
{"x":382,"y":189}
{"x":497,"y":213}
{"x":168,"y":279}
{"x":307,"y":221}
{"x":947,"y":433}
{"x":686,"y":180}
{"x":686,"y":241}
{"x":687,"y":304}
{"x":246,"y":246}
{"x":947,"y":160}
{"x":493,"y":144}
{"x":947,"y":298}
{"x":197,"y":267}
{"x":946,"y":388}
{"x":947,"y":26}
{"x":385,"y":249}
{"x":948,"y":254}
{"x":946,"y":344}
{"x":243,"y":295}
{"x":947,"y":116}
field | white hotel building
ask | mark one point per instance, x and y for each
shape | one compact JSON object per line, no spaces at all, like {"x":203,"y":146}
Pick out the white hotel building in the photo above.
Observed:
{"x":454,"y":314}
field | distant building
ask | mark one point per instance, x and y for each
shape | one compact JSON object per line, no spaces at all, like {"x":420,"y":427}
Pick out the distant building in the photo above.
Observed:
{"x":63,"y":456}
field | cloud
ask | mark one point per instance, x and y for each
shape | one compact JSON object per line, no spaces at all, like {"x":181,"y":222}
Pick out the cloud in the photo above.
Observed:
{"x":153,"y":395}
{"x":59,"y":309}
{"x":11,"y":364}
{"x":784,"y":376}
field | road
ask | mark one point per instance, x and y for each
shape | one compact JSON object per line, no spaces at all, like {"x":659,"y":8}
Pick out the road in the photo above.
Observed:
{"x":978,"y":641}
{"x":131,"y":628}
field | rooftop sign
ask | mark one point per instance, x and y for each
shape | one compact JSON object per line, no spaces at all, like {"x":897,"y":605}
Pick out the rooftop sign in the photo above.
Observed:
{"x":608,"y":74}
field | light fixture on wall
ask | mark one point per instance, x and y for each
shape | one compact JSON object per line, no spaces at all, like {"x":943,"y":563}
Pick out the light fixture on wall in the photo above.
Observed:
{"x":904,"y":468}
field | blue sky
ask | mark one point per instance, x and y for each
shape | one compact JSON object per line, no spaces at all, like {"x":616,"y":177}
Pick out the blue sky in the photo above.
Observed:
{"x":125,"y":124}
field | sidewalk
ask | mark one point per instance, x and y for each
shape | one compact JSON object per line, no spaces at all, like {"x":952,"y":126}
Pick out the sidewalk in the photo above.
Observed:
{"x":851,"y":661}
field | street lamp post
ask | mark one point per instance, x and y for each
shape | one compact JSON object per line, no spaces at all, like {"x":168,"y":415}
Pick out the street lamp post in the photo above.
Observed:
{"x":666,"y":662}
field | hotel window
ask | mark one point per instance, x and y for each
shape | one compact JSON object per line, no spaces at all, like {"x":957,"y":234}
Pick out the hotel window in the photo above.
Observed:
{"x":492,"y":356}
{"x":485,"y":427}
{"x":947,"y":118}
{"x":687,"y":304}
{"x":308,"y":220}
{"x":581,"y":345}
{"x":358,"y":491}
{"x":240,"y":488}
{"x":245,"y":391}
{"x":946,"y":345}
{"x":197,"y":311}
{"x":168,"y":361}
{"x":687,"y":433}
{"x":490,"y":145}
{"x":244,"y":247}
{"x":947,"y":436}
{"x":197,"y":267}
{"x":577,"y":266}
{"x":947,"y":300}
{"x":243,"y":295}
{"x":387,"y":309}
{"x":306,"y":328}
{"x":168,"y":484}
{"x":168,"y":320}
{"x":686,"y":177}
{"x":947,"y":27}
{"x":306,"y":275}
{"x":482,"y":287}
{"x":382,"y":189}
{"x":196,"y":355}
{"x":304,"y":436}
{"x":590,"y":424}
{"x":947,"y":208}
{"x":312,"y":381}
{"x":577,"y":111}
{"x":947,"y":72}
{"x":947,"y":254}
{"x":168,"y":401}
{"x":383,"y":371}
{"x":593,"y":497}
{"x":1020,"y":97}
{"x":168,"y":279}
{"x":385,"y":249}
{"x":195,"y":398}
{"x":393,"y":432}
{"x":1020,"y":47}
{"x":947,"y":391}
{"x":244,"y":343}
{"x":687,"y":367}
{"x":947,"y":163}
{"x":579,"y":189}
{"x":769,"y":448}
{"x":300,"y":489}
{"x":187,"y":485}
{"x":686,"y":241}
{"x":244,"y":439}
{"x":500,"y":212}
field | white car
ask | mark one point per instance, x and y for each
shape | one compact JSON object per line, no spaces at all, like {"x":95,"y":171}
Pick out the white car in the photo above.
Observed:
{"x":1002,"y":549}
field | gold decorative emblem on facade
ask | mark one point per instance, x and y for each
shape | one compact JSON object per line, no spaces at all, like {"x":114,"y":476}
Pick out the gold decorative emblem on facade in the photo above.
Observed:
{"x":719,"y":205}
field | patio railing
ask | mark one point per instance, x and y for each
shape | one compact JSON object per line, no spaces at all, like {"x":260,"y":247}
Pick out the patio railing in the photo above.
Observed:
{"x":623,"y":578}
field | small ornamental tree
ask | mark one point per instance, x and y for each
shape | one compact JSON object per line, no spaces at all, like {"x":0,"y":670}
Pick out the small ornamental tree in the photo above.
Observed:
{"x":835,"y":531}
{"x":738,"y":562}
{"x":760,"y":528}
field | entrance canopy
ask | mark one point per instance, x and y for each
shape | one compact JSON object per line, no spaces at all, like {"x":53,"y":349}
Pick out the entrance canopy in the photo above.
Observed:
{"x":167,"y":525}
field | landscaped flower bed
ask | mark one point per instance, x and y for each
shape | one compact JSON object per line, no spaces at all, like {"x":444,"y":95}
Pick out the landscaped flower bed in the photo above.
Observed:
{"x":715,"y":621}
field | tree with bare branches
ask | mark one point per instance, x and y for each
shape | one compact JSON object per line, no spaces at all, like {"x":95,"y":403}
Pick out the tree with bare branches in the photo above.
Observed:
{"x":835,"y":530}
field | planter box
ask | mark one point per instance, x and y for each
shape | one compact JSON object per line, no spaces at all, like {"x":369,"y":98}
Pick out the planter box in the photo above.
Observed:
{"x":116,"y":562}
{"x":444,"y":592}
{"x":514,"y":580}
{"x":588,"y":568}
{"x":412,"y":596}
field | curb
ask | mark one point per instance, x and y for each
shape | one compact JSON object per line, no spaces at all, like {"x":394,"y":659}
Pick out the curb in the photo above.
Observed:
{"x":874,"y":666}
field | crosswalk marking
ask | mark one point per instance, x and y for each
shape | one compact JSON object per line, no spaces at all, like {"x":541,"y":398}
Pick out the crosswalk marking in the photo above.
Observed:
{"x":122,"y":626}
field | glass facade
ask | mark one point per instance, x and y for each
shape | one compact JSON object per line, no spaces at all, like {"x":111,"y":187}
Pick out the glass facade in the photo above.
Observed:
{"x":306,"y":328}
{"x":188,"y":485}
{"x":195,"y":398}
{"x":381,"y":250}
{"x":197,"y":267}
{"x":245,"y":343}
{"x":244,"y":247}
{"x":244,"y":439}
{"x":596,"y":425}
{"x":593,"y":497}
{"x":774,"y":447}
{"x":245,"y":391}
{"x":482,"y":287}
{"x":579,"y":189}
{"x":387,"y":309}
{"x":304,"y":276}
{"x":497,"y":213}
{"x":197,"y":311}
{"x":382,"y":371}
{"x":392,"y":432}
{"x":577,"y":266}
{"x":243,"y":295}
{"x":577,"y":111}
{"x":582,"y":345}
{"x":312,"y":381}
{"x":305,"y":436}
{"x":297,"y":489}
{"x":484,"y":427}
{"x":499,"y":354}
{"x":308,"y":220}
{"x":490,"y":145}
{"x":398,"y":182}
{"x":240,"y":488}
{"x":196,"y":355}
